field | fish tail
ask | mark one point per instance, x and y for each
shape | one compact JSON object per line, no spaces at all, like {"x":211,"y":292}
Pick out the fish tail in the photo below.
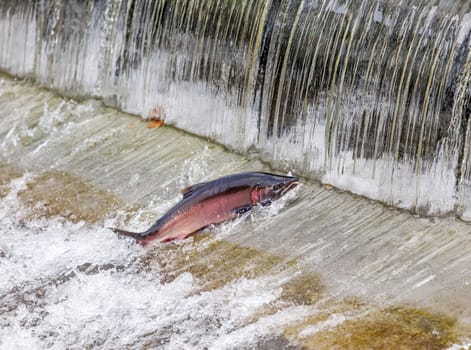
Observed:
{"x":136,"y":235}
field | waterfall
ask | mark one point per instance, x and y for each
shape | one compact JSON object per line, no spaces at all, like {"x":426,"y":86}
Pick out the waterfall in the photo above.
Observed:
{"x":372,"y":97}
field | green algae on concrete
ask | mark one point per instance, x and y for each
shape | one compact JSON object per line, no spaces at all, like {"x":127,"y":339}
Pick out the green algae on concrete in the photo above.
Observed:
{"x":55,"y":193}
{"x":303,"y":289}
{"x":389,"y":328}
{"x":214,"y":262}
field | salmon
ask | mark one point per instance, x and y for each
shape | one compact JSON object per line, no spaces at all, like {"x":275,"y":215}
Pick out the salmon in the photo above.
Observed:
{"x":214,"y":202}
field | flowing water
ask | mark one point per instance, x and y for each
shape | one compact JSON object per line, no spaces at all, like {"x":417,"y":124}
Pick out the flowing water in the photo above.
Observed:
{"x":317,"y":269}
{"x":371,"y":97}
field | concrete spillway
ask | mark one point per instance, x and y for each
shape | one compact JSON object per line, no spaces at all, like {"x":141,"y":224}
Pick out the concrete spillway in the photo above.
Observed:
{"x":321,"y":268}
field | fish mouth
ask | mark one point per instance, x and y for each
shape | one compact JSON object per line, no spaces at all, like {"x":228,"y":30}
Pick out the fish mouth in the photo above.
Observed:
{"x":289,"y":186}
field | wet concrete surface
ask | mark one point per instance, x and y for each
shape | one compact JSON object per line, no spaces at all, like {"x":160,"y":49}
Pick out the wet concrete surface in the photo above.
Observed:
{"x":377,"y":277}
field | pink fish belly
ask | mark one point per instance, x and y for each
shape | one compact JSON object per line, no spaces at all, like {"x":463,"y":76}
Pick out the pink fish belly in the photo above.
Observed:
{"x":213,"y":210}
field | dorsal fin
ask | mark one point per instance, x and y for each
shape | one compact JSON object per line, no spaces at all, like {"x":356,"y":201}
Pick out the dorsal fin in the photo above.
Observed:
{"x":187,"y":191}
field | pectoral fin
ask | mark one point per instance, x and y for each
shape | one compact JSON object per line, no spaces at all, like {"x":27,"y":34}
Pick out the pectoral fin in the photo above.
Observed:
{"x":242,"y":210}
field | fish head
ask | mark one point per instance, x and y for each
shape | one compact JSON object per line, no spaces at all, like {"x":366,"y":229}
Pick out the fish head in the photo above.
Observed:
{"x":271,"y":187}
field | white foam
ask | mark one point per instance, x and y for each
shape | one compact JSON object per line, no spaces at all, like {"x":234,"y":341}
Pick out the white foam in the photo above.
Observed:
{"x":462,"y":346}
{"x":77,"y":285}
{"x":40,"y":248}
{"x":264,"y":326}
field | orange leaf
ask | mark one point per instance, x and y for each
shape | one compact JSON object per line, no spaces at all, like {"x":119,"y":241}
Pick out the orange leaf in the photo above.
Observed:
{"x":157,"y":123}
